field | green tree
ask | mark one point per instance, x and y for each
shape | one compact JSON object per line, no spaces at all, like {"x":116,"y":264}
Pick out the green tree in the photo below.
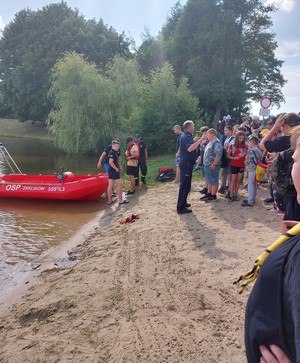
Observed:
{"x":151,"y":54}
{"x":226,"y":50}
{"x":82,"y":113}
{"x":126,"y":82}
{"x":90,"y":107}
{"x":162,"y":105}
{"x":33,"y":42}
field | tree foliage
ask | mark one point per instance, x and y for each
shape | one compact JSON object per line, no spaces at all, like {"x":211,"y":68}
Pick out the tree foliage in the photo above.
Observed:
{"x":33,"y":42}
{"x":82,"y":112}
{"x":226,"y":50}
{"x":162,"y":105}
{"x":92,"y":108}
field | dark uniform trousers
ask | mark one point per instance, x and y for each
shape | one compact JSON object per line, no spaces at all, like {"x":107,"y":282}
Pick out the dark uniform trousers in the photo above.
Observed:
{"x":143,"y":166}
{"x":186,"y":171}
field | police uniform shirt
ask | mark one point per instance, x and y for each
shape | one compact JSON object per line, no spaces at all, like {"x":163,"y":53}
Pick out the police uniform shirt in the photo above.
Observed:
{"x":186,"y":140}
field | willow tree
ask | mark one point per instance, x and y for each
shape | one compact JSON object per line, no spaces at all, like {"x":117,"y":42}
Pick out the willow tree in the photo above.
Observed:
{"x":91,"y":107}
{"x":82,"y":112}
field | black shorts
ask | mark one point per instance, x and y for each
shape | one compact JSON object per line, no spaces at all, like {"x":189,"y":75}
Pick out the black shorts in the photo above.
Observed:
{"x":132,"y":170}
{"x":236,"y":170}
{"x":114,"y":175}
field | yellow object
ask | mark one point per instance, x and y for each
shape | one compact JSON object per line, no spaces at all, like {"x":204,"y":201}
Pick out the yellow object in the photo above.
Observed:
{"x":264,"y":132}
{"x":252,"y":274}
{"x":260,"y":172}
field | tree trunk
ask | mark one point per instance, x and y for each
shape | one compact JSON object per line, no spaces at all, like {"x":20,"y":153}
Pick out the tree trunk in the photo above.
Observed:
{"x":217,"y":115}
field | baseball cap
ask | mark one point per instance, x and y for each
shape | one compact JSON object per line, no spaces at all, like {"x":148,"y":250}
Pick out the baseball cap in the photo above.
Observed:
{"x":129,"y":139}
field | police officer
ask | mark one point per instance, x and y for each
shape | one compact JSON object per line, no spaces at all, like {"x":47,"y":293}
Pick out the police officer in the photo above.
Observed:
{"x":188,"y":155}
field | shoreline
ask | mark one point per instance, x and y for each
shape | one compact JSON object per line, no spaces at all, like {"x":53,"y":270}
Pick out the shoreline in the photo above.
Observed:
{"x":58,"y":257}
{"x":157,"y":290}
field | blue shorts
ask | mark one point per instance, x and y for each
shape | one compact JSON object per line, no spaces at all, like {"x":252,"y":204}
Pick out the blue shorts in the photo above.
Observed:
{"x":106,"y":167}
{"x":212,"y":176}
{"x":177,"y":161}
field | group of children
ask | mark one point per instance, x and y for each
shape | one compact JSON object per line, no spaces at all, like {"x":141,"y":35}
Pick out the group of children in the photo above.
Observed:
{"x":241,"y":154}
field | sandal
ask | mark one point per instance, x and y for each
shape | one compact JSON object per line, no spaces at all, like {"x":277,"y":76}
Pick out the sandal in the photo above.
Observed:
{"x":125,"y":201}
{"x":127,"y":220}
{"x":130,"y":219}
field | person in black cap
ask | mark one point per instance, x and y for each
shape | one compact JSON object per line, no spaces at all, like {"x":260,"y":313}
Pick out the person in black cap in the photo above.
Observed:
{"x":132,"y":156}
{"x":142,"y":162}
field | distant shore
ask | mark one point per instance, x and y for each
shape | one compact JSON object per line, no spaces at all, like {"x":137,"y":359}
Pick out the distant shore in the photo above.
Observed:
{"x":25,"y":130}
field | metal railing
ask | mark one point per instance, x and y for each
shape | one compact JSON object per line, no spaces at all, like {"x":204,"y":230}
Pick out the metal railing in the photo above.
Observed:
{"x":10,"y":161}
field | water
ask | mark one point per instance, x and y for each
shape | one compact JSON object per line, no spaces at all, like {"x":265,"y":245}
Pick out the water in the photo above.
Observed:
{"x":30,"y":228}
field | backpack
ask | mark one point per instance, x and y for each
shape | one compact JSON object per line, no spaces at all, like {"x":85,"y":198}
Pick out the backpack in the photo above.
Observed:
{"x":282,"y":173}
{"x":165,"y":175}
{"x":224,"y":159}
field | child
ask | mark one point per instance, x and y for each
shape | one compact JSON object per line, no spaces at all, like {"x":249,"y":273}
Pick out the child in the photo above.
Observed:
{"x":253,"y":157}
{"x":199,"y":161}
{"x":225,"y":174}
{"x":114,"y":174}
{"x":212,"y":162}
{"x":237,"y":153}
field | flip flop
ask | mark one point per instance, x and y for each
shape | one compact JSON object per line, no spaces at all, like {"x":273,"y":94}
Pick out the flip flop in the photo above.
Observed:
{"x":124,"y":202}
{"x":127,"y":220}
{"x":130,"y":219}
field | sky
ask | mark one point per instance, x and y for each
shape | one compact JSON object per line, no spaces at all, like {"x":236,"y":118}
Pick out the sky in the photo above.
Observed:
{"x":136,"y":17}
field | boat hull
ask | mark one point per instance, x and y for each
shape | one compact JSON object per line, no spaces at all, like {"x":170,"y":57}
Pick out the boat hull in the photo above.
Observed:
{"x":72,"y":187}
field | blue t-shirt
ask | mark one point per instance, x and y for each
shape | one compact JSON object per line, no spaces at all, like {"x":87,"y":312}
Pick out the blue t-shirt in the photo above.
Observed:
{"x":277,"y":145}
{"x":186,"y":140}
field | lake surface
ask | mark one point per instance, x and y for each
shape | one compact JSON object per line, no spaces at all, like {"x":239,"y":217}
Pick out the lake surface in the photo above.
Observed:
{"x":30,"y":228}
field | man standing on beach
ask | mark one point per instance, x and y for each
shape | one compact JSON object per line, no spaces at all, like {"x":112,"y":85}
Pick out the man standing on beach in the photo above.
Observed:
{"x":132,"y":156}
{"x":188,"y":155}
{"x":142,"y":162}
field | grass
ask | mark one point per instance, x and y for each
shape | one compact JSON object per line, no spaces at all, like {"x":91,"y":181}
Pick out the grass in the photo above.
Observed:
{"x":156,"y":162}
{"x":25,"y":130}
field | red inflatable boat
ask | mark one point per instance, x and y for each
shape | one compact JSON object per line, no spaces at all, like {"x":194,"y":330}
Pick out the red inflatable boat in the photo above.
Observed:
{"x":64,"y":186}
{"x":60,"y":186}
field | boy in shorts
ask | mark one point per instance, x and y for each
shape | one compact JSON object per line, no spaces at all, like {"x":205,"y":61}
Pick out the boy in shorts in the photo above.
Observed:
{"x":114,"y":174}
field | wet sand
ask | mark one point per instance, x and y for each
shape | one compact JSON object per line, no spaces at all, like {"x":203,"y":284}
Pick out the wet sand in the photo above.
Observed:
{"x":156,"y":290}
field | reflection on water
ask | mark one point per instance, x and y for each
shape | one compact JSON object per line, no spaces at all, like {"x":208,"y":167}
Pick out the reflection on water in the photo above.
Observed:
{"x":28,"y":228}
{"x":40,"y":157}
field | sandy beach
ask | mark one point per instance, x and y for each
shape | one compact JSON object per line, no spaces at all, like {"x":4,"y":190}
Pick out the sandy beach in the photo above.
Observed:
{"x":156,"y":290}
